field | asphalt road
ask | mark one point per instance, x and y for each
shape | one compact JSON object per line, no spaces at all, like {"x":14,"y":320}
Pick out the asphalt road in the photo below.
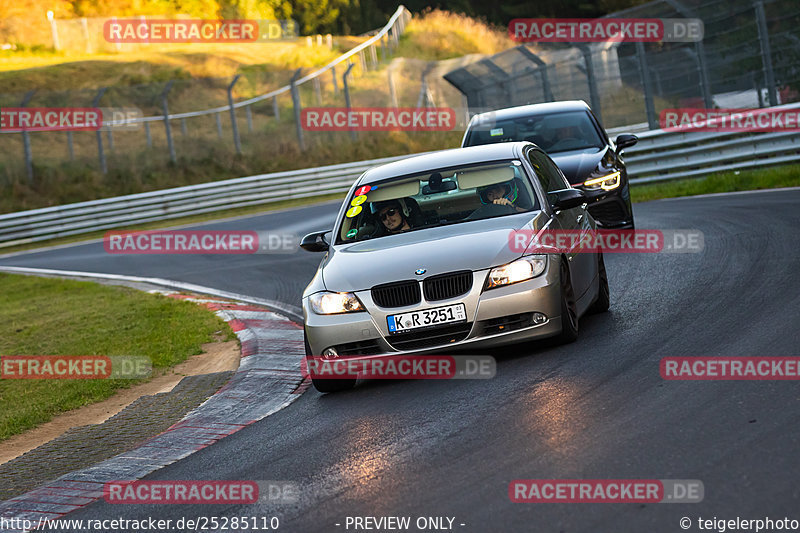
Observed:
{"x":597,"y":408}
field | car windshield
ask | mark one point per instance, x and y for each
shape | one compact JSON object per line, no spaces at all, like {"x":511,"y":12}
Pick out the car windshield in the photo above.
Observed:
{"x":553,"y":133}
{"x":436,"y":198}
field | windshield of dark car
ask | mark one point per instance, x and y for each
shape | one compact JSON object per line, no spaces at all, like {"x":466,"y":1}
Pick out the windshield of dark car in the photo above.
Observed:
{"x":436,"y":198}
{"x":553,"y":132}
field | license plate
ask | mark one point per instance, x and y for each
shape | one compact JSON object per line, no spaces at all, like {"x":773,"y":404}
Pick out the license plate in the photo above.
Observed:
{"x":426,"y":318}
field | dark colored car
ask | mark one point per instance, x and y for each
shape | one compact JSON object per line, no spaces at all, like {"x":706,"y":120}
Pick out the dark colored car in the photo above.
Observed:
{"x":573,"y":137}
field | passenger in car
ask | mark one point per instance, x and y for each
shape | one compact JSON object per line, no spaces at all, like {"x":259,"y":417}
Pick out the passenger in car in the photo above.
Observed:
{"x":391,"y":215}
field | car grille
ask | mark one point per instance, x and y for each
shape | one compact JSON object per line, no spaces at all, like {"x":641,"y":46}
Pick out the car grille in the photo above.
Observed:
{"x":418,"y":340}
{"x":398,"y":294}
{"x":608,"y":212}
{"x":448,"y":285}
{"x":366,"y":347}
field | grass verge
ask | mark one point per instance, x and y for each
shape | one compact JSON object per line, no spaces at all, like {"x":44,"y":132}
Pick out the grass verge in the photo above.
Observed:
{"x":745,"y":180}
{"x":44,"y":316}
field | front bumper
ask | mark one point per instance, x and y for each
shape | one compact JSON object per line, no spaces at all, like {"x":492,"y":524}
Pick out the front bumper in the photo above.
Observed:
{"x":610,"y":209}
{"x":495,"y":317}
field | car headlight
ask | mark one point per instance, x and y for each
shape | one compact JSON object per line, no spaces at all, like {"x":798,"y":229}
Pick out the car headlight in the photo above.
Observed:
{"x":516,"y":271}
{"x":334,"y":303}
{"x":607,"y":182}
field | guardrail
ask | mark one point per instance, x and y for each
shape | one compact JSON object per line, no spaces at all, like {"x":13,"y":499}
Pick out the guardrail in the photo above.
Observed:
{"x":658,"y":156}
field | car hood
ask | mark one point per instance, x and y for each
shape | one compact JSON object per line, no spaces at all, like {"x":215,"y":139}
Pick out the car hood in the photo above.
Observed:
{"x":467,"y":246}
{"x":577,"y":166}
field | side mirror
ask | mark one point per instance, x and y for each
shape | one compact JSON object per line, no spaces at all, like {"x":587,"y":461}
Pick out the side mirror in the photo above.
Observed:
{"x":625,"y":140}
{"x":566,"y":199}
{"x":315,"y":242}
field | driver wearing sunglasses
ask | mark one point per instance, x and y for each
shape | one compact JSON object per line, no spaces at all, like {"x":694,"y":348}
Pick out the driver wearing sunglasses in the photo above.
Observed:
{"x":391,"y":216}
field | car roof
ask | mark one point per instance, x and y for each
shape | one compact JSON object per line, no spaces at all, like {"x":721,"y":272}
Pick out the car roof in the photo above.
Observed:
{"x":537,"y":109}
{"x":443,"y":159}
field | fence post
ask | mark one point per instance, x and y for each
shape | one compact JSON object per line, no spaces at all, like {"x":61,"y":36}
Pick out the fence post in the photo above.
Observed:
{"x":373,"y":55}
{"x":167,"y":126}
{"x":219,"y":125}
{"x":546,"y":90}
{"x":100,"y":153}
{"x":85,"y":31}
{"x":110,"y":138}
{"x":347,"y":103}
{"x":249,"y":115}
{"x":590,"y":78}
{"x":275,"y":109}
{"x":317,"y":91}
{"x":296,"y":105}
{"x":147,"y":135}
{"x":766,"y":53}
{"x":335,"y":81}
{"x":183,"y":127}
{"x":392,"y":90}
{"x":383,"y":50}
{"x":644,"y":73}
{"x":70,"y":148}
{"x":26,"y":140}
{"x":233,"y":115}
{"x":53,"y":30}
{"x":362,"y":61}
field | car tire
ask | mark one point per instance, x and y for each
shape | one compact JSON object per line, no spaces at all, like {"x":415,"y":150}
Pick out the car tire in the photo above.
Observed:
{"x":603,"y":301}
{"x":569,"y":307}
{"x":327,"y":385}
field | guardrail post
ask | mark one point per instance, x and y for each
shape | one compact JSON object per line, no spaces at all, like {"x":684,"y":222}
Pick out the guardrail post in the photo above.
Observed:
{"x":383,"y":50}
{"x":249,"y":115}
{"x":275,"y":109}
{"x":219,"y":125}
{"x":184,"y":131}
{"x":101,"y":156}
{"x":167,"y":126}
{"x":233,"y":115}
{"x":644,"y":73}
{"x":347,"y":104}
{"x":26,"y":140}
{"x":766,"y":52}
{"x":147,"y":135}
{"x":362,"y":61}
{"x":296,"y":104}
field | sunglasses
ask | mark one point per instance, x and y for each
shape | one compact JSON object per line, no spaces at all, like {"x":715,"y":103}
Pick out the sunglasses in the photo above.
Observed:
{"x":388,"y":213}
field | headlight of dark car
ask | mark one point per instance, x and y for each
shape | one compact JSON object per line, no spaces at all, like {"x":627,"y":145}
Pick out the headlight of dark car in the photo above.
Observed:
{"x":606,"y":182}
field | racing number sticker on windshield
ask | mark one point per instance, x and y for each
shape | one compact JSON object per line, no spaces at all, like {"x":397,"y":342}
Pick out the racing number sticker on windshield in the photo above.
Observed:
{"x":358,"y":200}
{"x":363,"y":190}
{"x":353,"y":211}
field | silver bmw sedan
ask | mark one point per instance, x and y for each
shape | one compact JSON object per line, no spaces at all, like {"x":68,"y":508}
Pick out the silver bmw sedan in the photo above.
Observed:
{"x":425,"y":257}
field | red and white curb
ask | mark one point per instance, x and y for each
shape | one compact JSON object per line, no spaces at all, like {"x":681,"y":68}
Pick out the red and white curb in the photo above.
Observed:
{"x":268,"y":379}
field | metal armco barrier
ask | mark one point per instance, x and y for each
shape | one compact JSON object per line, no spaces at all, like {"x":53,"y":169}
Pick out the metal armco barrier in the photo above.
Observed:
{"x":658,"y":156}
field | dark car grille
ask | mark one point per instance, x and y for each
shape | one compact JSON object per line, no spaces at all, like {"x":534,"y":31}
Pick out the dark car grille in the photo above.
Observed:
{"x":608,"y":212}
{"x":418,"y":340}
{"x":398,"y":294}
{"x":507,"y":323}
{"x":366,"y":347}
{"x":448,"y":285}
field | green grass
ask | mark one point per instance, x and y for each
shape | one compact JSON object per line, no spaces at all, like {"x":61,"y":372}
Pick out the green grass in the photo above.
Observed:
{"x":43,"y":316}
{"x":745,"y":180}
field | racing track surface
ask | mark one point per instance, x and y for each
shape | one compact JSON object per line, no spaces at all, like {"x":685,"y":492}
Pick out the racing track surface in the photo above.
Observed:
{"x":593,"y":409}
